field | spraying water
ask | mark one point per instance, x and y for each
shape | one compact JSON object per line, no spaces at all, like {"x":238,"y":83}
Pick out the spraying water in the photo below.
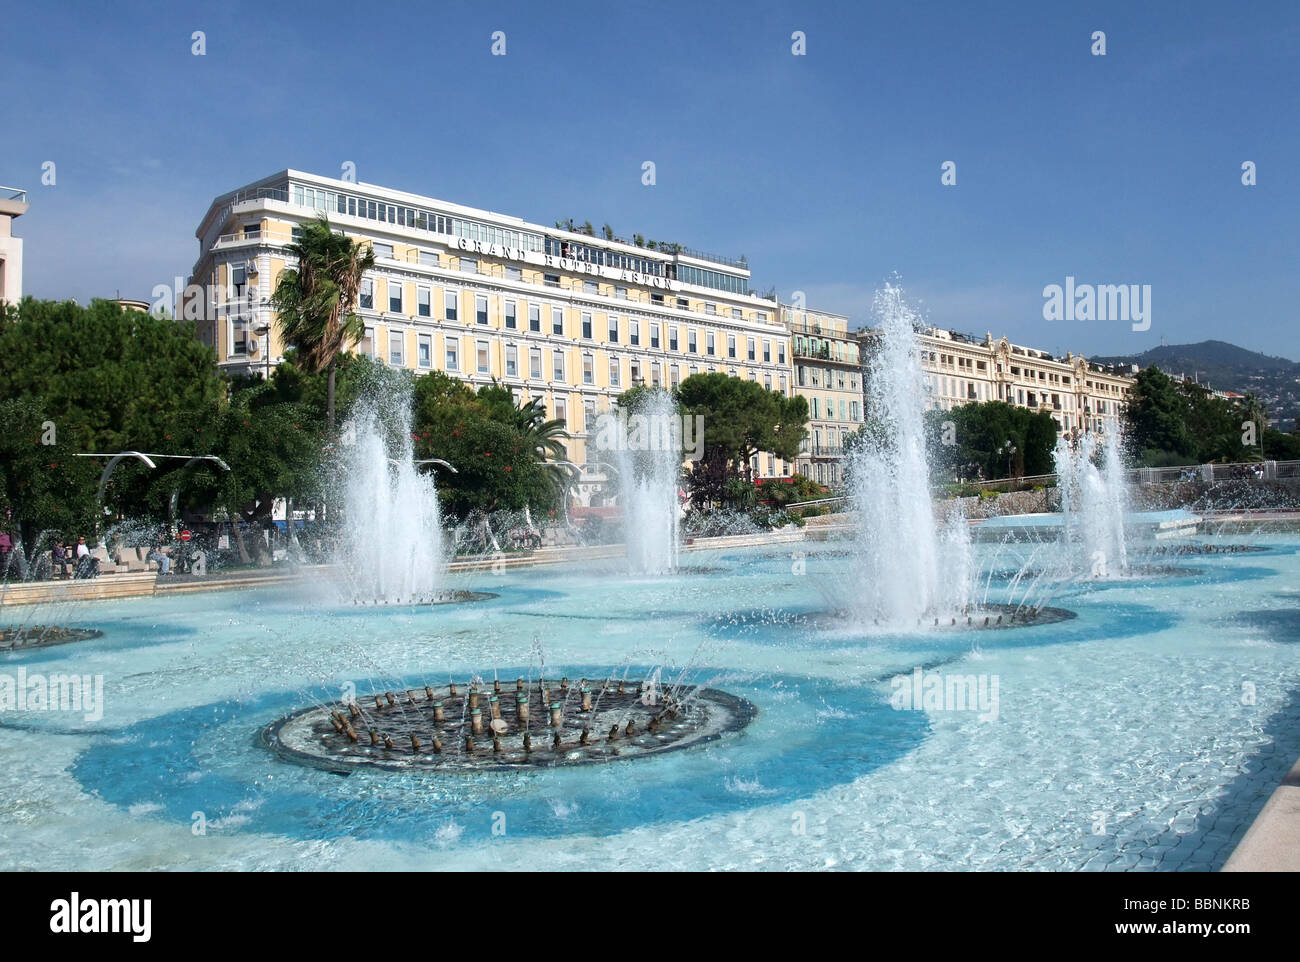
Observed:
{"x":1093,"y":503}
{"x":392,"y":543}
{"x":905,"y":568}
{"x":648,"y":456}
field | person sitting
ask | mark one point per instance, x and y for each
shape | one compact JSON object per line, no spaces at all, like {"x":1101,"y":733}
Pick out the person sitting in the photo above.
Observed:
{"x":159,"y":554}
{"x":87,"y":564}
{"x":59,"y":553}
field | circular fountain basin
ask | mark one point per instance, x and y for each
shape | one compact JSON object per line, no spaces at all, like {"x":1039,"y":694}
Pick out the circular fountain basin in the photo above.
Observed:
{"x":43,"y":636}
{"x":443,"y":598}
{"x":437,"y":731}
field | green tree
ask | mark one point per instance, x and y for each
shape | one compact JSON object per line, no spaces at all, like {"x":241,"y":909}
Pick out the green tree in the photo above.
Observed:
{"x":316,"y":300}
{"x":43,"y":486}
{"x":1155,"y":419}
{"x":741,"y":419}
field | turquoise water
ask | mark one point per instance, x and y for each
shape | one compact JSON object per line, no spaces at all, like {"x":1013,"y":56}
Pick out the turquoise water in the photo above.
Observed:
{"x":1145,"y":733}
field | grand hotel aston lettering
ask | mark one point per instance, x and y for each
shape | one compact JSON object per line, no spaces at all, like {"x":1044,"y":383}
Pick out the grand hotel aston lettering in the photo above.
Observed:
{"x":563,"y":263}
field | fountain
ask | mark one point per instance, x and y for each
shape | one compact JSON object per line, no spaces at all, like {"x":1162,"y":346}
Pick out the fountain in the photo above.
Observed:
{"x":435,"y":731}
{"x":647,"y":451}
{"x":1094,"y":501}
{"x":904,"y":568}
{"x":391,"y":548}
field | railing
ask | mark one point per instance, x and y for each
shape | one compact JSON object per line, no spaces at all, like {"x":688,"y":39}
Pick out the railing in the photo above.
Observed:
{"x":261,"y":193}
{"x":14,"y":193}
{"x":1237,"y":471}
{"x":257,"y":237}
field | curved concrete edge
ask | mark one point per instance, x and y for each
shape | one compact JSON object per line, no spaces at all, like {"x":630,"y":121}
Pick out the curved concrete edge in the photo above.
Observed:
{"x":1272,"y":843}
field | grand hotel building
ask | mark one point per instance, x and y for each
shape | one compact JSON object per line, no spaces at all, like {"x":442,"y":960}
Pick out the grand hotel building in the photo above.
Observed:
{"x":565,"y":316}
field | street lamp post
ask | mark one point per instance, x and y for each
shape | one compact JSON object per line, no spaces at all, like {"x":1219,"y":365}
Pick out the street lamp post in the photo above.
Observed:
{"x":1009,"y":450}
{"x":265,"y":331}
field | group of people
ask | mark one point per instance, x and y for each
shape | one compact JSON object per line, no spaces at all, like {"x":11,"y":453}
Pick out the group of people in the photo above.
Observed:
{"x":84,"y":564}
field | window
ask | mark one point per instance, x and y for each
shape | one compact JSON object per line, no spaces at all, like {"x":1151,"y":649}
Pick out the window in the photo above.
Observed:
{"x":762,"y":317}
{"x":561,"y":411}
{"x":588,"y":369}
{"x":634,"y":332}
{"x":469,"y":265}
{"x":424,"y":302}
{"x":692,"y":344}
{"x":382,"y":250}
{"x":636,"y":372}
{"x":590,"y":287}
{"x":672,"y":338}
{"x":683,"y":304}
{"x":367,"y":296}
{"x":654,"y":373}
{"x":480,"y":308}
{"x":613,"y":329}
{"x":710,"y":348}
{"x":534,"y":318}
{"x":425,"y":350}
{"x":767,"y":353}
{"x":557,"y":320}
{"x":551,"y":280}
{"x":780,"y":352}
{"x":428,"y":258}
{"x":512,"y":361}
{"x":654,"y":335}
{"x":656,"y":299}
{"x":586,"y":325}
{"x":710,"y":308}
{"x":367,"y":345}
{"x":396,"y":348}
{"x":449,"y":305}
{"x":751,"y":348}
{"x":453,"y":354}
{"x":588,"y":414}
{"x":535,"y":362}
{"x":557,"y":366}
{"x":482,"y":357}
{"x":735,"y":312}
{"x":731,"y":345}
{"x":614,"y":372}
{"x":239,"y":338}
{"x":395,"y":297}
{"x":514,"y":274}
{"x":674,"y":376}
{"x":510,"y":315}
{"x":620,"y":293}
{"x":767,"y":381}
{"x":784,"y":387}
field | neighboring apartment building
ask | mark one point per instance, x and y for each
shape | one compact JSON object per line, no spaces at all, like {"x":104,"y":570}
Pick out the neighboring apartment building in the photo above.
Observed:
{"x":550,"y":313}
{"x":827,"y":372}
{"x":961,"y":369}
{"x":13,"y":203}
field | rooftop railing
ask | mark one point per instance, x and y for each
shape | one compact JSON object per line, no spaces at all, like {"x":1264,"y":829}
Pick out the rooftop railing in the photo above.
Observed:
{"x":13,"y":193}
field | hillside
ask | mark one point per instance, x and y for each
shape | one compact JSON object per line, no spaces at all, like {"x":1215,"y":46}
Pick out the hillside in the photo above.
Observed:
{"x":1227,"y":367}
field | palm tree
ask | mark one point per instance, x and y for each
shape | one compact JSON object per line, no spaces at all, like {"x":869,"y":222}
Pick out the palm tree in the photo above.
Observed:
{"x":315,"y":302}
{"x":1257,"y":413}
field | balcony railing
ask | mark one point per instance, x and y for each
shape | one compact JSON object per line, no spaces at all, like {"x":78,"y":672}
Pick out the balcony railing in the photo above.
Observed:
{"x":13,"y":193}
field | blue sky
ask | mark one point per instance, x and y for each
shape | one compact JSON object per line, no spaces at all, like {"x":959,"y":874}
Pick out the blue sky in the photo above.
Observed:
{"x":823,"y":169}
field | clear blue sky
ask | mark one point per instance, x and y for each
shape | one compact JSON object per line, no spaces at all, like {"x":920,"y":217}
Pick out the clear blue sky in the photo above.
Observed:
{"x":823,"y":169}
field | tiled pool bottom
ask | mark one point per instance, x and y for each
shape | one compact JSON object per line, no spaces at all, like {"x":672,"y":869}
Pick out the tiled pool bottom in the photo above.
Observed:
{"x":1144,"y":734}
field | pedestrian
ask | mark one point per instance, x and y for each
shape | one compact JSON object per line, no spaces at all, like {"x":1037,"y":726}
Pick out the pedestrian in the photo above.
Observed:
{"x":6,"y":548}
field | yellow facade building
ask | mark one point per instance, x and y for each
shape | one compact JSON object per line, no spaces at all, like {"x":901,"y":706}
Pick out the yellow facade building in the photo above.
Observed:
{"x":960,"y":369}
{"x":550,"y":313}
{"x":827,"y":372}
